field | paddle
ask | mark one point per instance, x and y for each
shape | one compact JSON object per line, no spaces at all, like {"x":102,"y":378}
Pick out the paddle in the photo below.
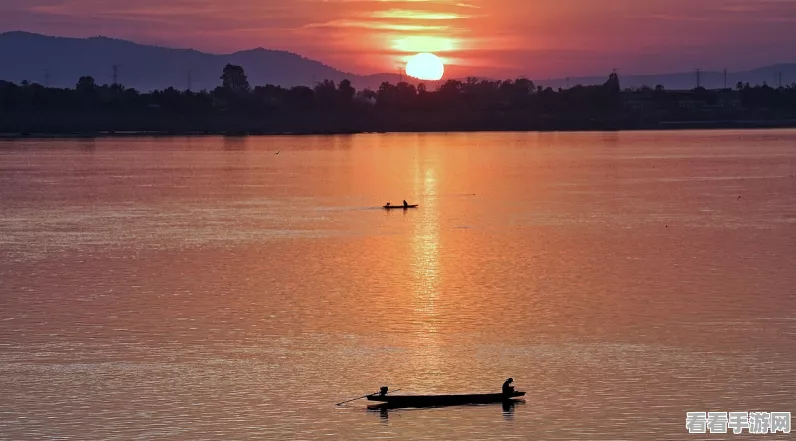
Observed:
{"x":359,"y":398}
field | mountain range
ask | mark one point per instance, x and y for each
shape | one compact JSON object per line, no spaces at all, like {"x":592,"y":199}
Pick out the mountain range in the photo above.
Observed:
{"x":60,"y":61}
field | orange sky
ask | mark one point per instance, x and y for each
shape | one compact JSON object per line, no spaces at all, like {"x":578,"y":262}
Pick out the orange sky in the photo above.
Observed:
{"x":537,"y":38}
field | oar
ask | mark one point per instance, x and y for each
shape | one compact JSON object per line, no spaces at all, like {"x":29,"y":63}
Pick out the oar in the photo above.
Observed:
{"x":359,"y":398}
{"x":353,"y":399}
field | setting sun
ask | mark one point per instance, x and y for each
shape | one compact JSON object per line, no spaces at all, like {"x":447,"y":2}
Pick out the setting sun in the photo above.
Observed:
{"x":425,"y":66}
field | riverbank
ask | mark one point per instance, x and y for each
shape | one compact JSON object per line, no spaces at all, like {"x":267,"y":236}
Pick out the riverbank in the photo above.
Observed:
{"x":663,"y":125}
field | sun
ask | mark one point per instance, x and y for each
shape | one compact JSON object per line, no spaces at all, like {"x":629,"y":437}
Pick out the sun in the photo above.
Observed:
{"x":425,"y":66}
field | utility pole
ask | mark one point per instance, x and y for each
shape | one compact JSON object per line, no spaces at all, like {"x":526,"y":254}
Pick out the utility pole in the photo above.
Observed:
{"x":115,"y":74}
{"x":725,"y":77}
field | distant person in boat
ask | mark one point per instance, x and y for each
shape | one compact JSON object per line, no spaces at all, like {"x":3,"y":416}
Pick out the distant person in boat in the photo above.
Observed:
{"x":405,"y":204}
{"x":508,"y":389}
{"x":388,"y":204}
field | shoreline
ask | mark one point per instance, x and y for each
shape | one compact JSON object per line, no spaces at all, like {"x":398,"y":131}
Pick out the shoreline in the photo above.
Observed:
{"x":661,"y":126}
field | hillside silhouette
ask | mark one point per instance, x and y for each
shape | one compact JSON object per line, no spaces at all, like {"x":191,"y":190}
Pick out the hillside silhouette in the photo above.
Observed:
{"x":58,"y":61}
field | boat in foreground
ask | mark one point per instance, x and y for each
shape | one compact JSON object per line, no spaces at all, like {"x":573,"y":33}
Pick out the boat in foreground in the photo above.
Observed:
{"x":441,"y":400}
{"x":396,"y":207}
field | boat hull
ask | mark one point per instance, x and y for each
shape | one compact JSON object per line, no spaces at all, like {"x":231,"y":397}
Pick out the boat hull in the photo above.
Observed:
{"x":441,"y":400}
{"x":398,"y":207}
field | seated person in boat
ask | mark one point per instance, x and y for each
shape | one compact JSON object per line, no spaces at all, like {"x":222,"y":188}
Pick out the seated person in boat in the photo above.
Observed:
{"x":383,"y":390}
{"x":387,"y":205}
{"x":405,"y":204}
{"x":508,"y":389}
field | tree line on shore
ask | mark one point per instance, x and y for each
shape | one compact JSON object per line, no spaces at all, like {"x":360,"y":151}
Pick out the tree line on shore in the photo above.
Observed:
{"x":474,"y":104}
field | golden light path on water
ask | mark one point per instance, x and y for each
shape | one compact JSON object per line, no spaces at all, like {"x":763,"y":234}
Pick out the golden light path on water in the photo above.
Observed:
{"x":425,"y":254}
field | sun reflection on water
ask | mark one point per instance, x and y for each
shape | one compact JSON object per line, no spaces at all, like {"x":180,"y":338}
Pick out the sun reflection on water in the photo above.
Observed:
{"x":425,"y":252}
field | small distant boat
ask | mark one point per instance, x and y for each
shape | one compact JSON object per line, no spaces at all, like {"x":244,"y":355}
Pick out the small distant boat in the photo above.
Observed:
{"x":397,"y":401}
{"x":396,"y":207}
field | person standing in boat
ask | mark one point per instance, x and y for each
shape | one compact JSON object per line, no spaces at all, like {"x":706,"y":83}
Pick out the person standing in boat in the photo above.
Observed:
{"x":508,"y":389}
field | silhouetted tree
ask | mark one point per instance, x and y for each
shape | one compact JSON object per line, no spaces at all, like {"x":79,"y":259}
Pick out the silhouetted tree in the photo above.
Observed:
{"x":451,"y":88}
{"x":516,"y":93}
{"x":366,"y":96}
{"x":85,"y":85}
{"x":326,"y":94}
{"x":346,"y":91}
{"x":234,"y":79}
{"x":523,"y":86}
{"x":612,"y":85}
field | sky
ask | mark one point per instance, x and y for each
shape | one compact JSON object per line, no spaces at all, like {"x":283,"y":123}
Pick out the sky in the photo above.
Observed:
{"x":498,"y":38}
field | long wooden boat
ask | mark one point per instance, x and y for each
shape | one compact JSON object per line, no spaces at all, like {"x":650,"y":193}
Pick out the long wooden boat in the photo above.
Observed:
{"x":441,"y":400}
{"x":396,"y":207}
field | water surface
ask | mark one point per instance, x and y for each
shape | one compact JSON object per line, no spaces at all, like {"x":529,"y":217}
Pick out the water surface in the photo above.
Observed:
{"x":210,"y":288}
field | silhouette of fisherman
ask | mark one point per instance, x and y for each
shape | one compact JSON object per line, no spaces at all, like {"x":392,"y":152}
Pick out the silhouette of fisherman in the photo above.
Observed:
{"x":405,"y":204}
{"x":508,"y":389}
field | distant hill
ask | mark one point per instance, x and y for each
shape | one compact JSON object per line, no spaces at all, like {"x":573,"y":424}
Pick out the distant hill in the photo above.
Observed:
{"x":27,"y":56}
{"x":60,"y":61}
